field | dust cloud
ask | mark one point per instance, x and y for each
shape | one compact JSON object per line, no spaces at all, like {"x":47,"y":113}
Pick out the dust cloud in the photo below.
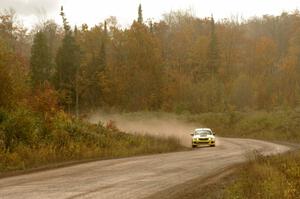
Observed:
{"x":162,"y":124}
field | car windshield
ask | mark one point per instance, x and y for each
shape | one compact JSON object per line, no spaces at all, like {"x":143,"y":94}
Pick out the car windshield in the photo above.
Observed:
{"x":202,"y":132}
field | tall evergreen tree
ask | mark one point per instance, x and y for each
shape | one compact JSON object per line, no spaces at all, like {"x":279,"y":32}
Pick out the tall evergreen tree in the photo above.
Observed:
{"x":140,"y":14}
{"x":215,"y":101}
{"x":213,"y":53}
{"x":67,"y":27}
{"x":67,"y":61}
{"x":98,"y":76}
{"x":151,"y":26}
{"x":40,"y":61}
{"x":101,"y":59}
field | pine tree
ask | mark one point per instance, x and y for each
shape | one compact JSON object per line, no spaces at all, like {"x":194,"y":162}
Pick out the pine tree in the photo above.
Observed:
{"x":67,"y":61}
{"x":140,"y":14}
{"x":67,"y":28}
{"x":101,"y":61}
{"x":98,"y":76}
{"x":40,"y":61}
{"x":213,"y":53}
{"x":214,"y":99}
{"x":151,"y":26}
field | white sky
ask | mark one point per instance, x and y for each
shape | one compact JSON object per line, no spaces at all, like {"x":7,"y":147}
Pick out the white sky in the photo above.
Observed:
{"x":95,"y":11}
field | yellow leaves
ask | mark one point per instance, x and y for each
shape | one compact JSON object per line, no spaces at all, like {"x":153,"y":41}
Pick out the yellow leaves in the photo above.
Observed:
{"x":198,"y":51}
{"x":12,"y":76}
{"x":288,"y":64}
{"x":265,"y":53}
{"x":265,"y":46}
{"x":290,"y":191}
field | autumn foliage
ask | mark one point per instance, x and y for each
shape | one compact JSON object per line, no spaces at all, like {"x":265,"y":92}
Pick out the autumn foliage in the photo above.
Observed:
{"x":179,"y":64}
{"x":186,"y":64}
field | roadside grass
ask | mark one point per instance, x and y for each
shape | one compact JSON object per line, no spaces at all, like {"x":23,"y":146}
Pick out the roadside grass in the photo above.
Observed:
{"x":30,"y":140}
{"x":275,"y":177}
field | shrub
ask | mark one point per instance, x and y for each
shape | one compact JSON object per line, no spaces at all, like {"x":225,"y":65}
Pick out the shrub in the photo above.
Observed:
{"x":20,"y":127}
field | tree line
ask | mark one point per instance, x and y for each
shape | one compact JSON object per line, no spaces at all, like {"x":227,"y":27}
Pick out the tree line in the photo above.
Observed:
{"x":180,"y":63}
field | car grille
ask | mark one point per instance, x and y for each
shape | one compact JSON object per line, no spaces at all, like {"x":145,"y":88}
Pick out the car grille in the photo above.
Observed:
{"x":202,"y":139}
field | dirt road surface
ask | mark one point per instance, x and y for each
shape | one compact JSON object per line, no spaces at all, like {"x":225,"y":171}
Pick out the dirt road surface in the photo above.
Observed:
{"x":135,"y":177}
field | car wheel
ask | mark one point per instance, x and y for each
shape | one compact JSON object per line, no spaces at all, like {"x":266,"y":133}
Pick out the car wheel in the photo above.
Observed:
{"x":194,"y":146}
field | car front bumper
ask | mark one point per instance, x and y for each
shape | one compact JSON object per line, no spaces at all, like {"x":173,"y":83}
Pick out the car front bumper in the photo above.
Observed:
{"x":203,"y":142}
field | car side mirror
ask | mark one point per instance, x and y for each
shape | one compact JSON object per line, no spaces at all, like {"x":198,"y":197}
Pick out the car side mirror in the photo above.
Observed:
{"x":192,"y":134}
{"x":214,"y":133}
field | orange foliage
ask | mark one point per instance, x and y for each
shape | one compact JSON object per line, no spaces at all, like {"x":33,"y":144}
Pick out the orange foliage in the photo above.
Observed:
{"x":45,"y":100}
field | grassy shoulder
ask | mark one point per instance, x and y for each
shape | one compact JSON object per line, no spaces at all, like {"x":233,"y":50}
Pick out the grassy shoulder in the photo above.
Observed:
{"x":30,"y":139}
{"x":267,"y":177}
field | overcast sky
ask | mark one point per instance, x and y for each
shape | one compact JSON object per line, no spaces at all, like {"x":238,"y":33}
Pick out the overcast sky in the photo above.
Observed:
{"x":95,"y":11}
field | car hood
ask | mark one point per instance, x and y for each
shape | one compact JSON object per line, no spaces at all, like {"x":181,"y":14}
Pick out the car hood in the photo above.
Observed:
{"x":208,"y":136}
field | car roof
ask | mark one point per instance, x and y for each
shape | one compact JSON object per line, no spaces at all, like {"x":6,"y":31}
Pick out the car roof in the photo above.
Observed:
{"x":203,"y":129}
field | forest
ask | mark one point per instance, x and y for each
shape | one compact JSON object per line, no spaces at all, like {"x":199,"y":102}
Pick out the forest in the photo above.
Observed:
{"x":179,"y":64}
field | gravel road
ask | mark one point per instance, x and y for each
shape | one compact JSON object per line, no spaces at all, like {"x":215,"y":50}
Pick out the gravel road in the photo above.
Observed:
{"x":135,"y":177}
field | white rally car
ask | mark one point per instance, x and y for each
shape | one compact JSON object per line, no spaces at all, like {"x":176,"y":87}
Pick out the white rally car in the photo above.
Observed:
{"x":203,"y":136}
